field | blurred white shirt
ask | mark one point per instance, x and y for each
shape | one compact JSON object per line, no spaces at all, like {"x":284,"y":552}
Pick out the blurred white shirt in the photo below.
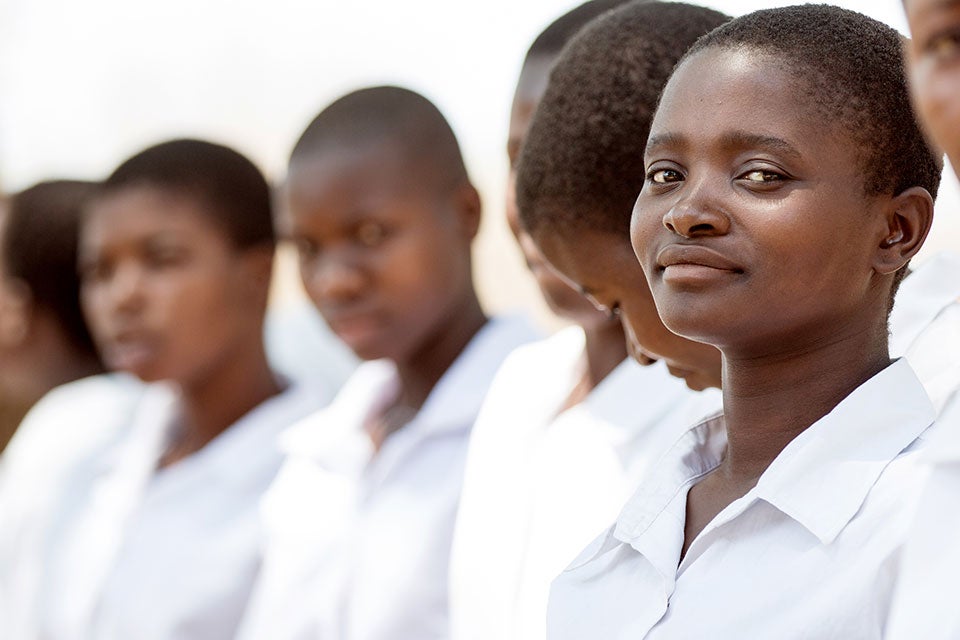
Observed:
{"x":925,"y":326}
{"x":46,"y":465}
{"x":925,"y":605}
{"x":541,"y":483}
{"x":358,"y":544}
{"x":134,"y":552}
{"x":810,"y":552}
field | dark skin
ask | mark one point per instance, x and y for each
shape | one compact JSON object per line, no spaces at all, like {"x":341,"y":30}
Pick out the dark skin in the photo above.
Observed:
{"x":603,"y":266}
{"x":385,"y":256}
{"x":761,"y":240}
{"x":605,"y":345}
{"x":933,"y":57}
{"x":35,"y":351}
{"x":169,"y":297}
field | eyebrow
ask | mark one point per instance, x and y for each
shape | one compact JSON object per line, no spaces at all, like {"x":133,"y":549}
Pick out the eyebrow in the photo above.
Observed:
{"x":732,"y":139}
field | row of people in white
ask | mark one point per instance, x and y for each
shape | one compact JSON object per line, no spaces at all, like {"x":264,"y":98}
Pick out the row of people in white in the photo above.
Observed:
{"x":357,"y":543}
{"x":344,"y":529}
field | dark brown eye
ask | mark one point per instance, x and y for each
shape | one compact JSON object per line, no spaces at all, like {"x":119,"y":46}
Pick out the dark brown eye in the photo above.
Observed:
{"x":664,"y":176}
{"x":371,"y":234}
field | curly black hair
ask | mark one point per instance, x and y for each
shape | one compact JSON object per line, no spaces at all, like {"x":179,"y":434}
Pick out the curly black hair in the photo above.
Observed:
{"x":581,"y":166}
{"x":850,"y":67}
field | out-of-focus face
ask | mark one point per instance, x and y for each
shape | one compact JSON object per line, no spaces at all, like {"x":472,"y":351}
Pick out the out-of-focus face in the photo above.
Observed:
{"x":933,"y":55}
{"x":753,"y":226}
{"x":11,"y":320}
{"x":604,"y":267}
{"x":384,"y":253}
{"x":563,"y":300}
{"x":166,"y":294}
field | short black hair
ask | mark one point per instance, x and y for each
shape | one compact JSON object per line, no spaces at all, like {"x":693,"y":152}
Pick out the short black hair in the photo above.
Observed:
{"x":40,"y":237}
{"x":582,"y":162}
{"x":852,"y":69}
{"x":388,"y":115}
{"x":558,"y":33}
{"x":231,"y":189}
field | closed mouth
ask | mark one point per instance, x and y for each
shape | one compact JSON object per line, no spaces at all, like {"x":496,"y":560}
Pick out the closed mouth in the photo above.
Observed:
{"x":695,"y":255}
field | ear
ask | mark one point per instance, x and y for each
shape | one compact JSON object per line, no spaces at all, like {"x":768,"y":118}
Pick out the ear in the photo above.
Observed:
{"x":469,"y":207}
{"x":258,"y":271}
{"x":908,"y":220}
{"x":16,"y":310}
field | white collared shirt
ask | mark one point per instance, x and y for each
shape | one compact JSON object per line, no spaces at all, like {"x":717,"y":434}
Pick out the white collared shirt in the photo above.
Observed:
{"x":146,"y":554}
{"x":358,"y":544}
{"x":810,"y":552}
{"x":925,"y":326}
{"x":41,"y":468}
{"x":925,"y":604}
{"x":541,"y":483}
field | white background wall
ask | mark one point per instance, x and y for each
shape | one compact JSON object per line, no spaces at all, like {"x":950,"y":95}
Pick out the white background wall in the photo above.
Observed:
{"x":85,"y":84}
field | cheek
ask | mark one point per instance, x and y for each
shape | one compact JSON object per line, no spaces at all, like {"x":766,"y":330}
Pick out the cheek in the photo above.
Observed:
{"x":935,"y":93}
{"x":645,"y":224}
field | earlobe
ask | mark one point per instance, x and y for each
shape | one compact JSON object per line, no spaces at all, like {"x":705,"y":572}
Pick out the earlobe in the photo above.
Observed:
{"x":468,"y":200}
{"x":908,"y":220}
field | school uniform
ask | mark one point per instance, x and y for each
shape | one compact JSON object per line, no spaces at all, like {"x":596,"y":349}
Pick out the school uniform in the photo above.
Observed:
{"x":925,"y":602}
{"x":144,"y":553}
{"x":359,"y":542}
{"x":810,"y":552}
{"x":40,"y":467}
{"x":925,"y":325}
{"x":541,"y":482}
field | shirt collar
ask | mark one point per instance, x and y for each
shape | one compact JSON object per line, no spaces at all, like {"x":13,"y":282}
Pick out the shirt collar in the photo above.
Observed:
{"x":924,"y":294}
{"x":843,"y":454}
{"x":335,"y":438}
{"x":612,"y":401}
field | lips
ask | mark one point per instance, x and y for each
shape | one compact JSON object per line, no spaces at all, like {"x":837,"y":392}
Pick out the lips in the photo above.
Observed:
{"x":696,"y":256}
{"x":130,"y":351}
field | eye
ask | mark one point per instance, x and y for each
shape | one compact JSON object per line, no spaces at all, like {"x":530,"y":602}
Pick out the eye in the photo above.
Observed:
{"x":762,"y":176}
{"x":94,"y":271}
{"x":371,"y":234}
{"x":306,"y":248}
{"x":664,"y":176}
{"x":945,"y":46}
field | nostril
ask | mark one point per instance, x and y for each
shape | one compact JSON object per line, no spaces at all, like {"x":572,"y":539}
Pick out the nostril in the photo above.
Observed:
{"x":701,"y":228}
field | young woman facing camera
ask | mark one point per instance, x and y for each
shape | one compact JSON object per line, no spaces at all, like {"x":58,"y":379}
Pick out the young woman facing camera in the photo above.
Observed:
{"x":784,"y":196}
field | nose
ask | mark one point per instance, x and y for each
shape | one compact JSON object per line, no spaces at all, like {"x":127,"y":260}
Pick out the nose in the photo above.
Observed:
{"x":333,"y":278}
{"x":125,"y":292}
{"x":696,"y":213}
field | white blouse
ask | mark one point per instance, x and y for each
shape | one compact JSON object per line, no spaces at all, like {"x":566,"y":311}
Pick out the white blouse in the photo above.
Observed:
{"x":810,"y":552}
{"x":358,"y":543}
{"x":541,"y":483}
{"x":172,"y":554}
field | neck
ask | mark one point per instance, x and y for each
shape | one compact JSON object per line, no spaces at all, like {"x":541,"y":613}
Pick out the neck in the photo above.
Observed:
{"x":420,"y":372}
{"x":605,"y":347}
{"x":769,"y":400}
{"x":212,"y":404}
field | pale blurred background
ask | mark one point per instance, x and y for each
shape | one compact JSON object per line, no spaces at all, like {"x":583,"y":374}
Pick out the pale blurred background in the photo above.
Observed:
{"x":85,"y":84}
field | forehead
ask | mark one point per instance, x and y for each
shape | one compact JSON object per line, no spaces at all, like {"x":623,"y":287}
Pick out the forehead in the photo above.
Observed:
{"x":922,"y":8}
{"x":717,"y":91}
{"x":358,"y":178}
{"x":136,"y":212}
